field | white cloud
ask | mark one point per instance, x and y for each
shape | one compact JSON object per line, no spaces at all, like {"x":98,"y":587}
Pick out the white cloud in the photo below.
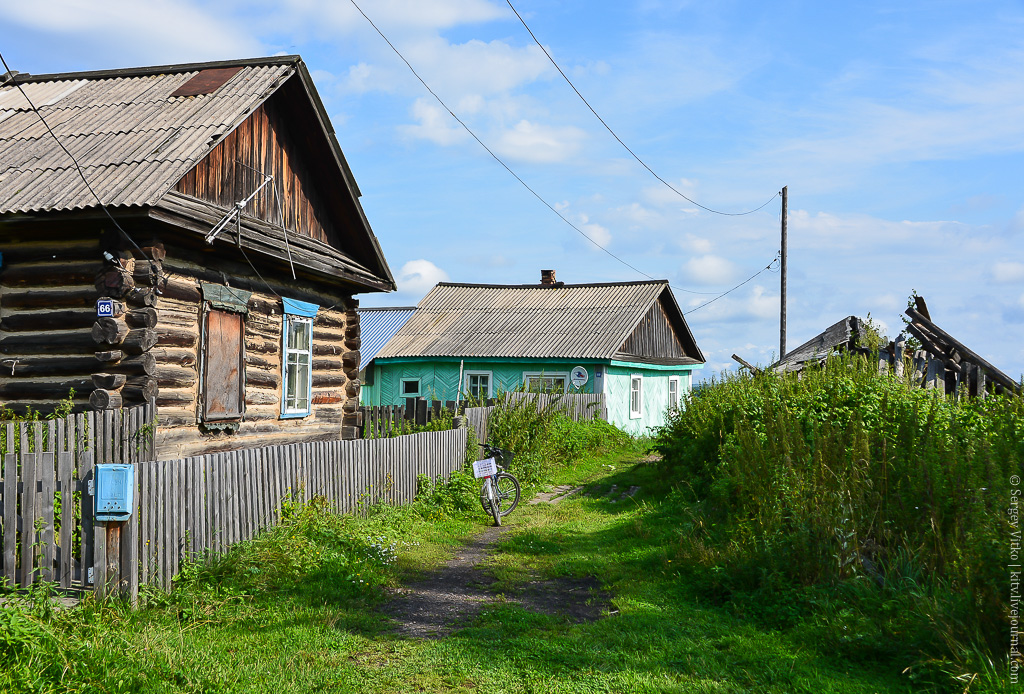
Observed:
{"x":533,"y":142}
{"x":417,"y":277}
{"x":160,"y":30}
{"x":435,"y":124}
{"x":599,"y":234}
{"x":709,"y":270}
{"x":1008,"y":271}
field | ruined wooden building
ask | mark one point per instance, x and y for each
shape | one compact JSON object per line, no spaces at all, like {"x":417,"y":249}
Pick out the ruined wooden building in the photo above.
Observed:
{"x":942,"y":362}
{"x":201,"y":251}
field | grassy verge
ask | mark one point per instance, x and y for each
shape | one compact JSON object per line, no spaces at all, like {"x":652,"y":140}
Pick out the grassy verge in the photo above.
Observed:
{"x":293,"y":610}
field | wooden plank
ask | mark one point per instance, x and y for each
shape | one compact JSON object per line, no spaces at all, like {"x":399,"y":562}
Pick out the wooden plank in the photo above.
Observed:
{"x":99,"y":567}
{"x":28,"y":511}
{"x":216,"y":472}
{"x":994,"y":373}
{"x":10,"y":507}
{"x":86,"y":461}
{"x":130,"y":548}
{"x":48,"y":483}
{"x":65,"y":485}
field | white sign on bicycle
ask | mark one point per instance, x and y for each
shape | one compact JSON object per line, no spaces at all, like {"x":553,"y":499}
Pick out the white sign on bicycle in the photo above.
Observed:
{"x":485,"y":468}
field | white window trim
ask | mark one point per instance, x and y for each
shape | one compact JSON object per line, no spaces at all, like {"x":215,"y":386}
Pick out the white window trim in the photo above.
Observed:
{"x":490,"y":381}
{"x":527,"y":375}
{"x":294,"y":412}
{"x":679,"y":395}
{"x":638,"y":378}
{"x":401,"y":388}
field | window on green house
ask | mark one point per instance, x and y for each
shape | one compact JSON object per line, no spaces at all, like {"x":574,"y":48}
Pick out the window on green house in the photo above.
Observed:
{"x":539,"y":382}
{"x":478,"y":384}
{"x":410,"y":387}
{"x":673,"y":392}
{"x":636,"y":402}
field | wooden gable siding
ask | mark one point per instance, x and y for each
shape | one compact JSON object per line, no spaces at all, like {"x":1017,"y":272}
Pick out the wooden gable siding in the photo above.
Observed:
{"x":265,"y":143}
{"x":654,"y":337}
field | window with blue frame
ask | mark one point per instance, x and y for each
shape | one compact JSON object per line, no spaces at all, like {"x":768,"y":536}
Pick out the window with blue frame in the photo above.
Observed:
{"x":298,"y":358}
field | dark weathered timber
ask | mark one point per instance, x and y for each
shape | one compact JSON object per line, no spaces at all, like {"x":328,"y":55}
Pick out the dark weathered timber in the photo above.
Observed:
{"x":25,"y":367}
{"x":109,"y":331}
{"x":139,"y":340}
{"x":105,"y":399}
{"x":753,"y":369}
{"x":331,"y":379}
{"x":69,"y":297}
{"x":108,"y":381}
{"x":110,"y":355}
{"x":922,"y":307}
{"x":654,"y":337}
{"x":176,"y":337}
{"x":820,"y":346}
{"x":969,"y":354}
{"x":350,"y":359}
{"x":175,"y":377}
{"x":141,"y":388}
{"x":44,"y":390}
{"x":141,"y":364}
{"x":181,"y":290}
{"x":114,"y":283}
{"x":55,"y":274}
{"x":141,"y":296}
{"x":264,"y":379}
{"x":47,"y":343}
{"x":142,"y":318}
{"x":46,"y":320}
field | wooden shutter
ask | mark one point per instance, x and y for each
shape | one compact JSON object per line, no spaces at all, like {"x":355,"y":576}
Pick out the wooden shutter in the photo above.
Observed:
{"x":224,"y":376}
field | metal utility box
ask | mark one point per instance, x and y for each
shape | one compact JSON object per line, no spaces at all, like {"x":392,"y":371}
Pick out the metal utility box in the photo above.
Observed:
{"x":114,"y":491}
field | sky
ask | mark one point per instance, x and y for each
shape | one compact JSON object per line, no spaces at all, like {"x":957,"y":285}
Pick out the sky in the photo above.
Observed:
{"x":897,"y":128}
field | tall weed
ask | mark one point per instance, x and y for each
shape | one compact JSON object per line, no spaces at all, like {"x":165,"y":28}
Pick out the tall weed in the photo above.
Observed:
{"x":843,"y":478}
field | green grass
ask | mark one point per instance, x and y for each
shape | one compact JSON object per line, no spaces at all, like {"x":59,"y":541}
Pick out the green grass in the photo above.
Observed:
{"x":282,"y":613}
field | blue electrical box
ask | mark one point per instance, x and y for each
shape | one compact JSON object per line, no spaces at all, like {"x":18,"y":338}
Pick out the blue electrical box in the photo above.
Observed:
{"x":114,"y":491}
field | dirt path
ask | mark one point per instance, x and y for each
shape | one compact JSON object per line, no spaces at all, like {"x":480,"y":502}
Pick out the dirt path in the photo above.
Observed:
{"x":448,"y":598}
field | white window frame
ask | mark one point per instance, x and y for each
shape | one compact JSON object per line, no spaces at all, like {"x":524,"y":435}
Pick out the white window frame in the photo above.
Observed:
{"x":638,"y":380}
{"x":286,"y":353}
{"x":401,"y":387}
{"x":673,"y":403}
{"x":490,"y":382}
{"x":564,"y":375}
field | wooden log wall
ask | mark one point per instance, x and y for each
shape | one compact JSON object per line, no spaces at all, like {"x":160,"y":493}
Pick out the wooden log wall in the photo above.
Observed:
{"x":177,"y":360}
{"x":47,"y":309}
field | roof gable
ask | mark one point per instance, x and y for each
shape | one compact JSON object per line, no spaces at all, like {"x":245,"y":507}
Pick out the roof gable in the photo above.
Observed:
{"x":585,"y":321}
{"x":655,"y":338}
{"x":144,"y":136}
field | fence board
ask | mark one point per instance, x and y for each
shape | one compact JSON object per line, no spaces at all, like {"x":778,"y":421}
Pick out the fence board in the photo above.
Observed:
{"x":10,"y":514}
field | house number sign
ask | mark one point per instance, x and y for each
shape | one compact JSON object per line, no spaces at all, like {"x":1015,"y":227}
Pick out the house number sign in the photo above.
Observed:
{"x":105,"y":308}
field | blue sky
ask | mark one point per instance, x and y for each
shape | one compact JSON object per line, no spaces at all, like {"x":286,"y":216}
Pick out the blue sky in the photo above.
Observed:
{"x":898,"y":128}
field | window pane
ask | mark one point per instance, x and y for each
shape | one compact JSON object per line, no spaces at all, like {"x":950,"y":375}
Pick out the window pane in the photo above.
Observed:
{"x":410,"y":387}
{"x":298,"y":334}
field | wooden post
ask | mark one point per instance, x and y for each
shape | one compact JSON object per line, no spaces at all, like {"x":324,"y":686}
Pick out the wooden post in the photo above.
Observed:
{"x":782,"y":272}
{"x":936,"y":378}
{"x":421,"y":412}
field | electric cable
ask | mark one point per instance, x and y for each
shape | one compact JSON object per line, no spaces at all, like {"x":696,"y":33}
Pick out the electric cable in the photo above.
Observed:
{"x":708,"y":303}
{"x":503,"y":164}
{"x":619,"y":139}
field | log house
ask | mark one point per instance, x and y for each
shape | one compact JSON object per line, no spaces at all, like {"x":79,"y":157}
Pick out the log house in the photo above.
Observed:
{"x":250,"y":340}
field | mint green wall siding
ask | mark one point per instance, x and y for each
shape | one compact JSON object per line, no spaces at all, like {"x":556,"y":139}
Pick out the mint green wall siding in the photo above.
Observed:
{"x":654,"y":396}
{"x":440,"y":380}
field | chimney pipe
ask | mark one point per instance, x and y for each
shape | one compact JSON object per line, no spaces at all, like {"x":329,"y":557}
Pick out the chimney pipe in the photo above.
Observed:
{"x":547,"y":277}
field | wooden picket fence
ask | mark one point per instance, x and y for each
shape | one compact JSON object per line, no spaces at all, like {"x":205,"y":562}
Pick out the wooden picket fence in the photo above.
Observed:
{"x":397,"y":420}
{"x":200,"y":506}
{"x":46,"y":511}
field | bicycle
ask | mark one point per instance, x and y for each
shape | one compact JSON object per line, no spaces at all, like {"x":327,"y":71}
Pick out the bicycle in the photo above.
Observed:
{"x":500,"y":494}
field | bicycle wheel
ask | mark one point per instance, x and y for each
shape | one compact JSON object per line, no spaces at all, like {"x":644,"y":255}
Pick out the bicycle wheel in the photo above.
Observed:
{"x":508,"y":492}
{"x":494,"y":503}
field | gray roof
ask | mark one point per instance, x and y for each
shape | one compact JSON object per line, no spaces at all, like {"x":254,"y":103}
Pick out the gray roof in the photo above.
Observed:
{"x":132,"y":139}
{"x":586,"y":321}
{"x":377,"y":326}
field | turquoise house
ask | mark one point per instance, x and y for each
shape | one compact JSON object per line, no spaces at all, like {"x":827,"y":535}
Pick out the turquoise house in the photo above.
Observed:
{"x":628,"y":340}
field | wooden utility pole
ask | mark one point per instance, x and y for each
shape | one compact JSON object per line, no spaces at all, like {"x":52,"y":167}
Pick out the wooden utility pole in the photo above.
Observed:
{"x":782,"y":268}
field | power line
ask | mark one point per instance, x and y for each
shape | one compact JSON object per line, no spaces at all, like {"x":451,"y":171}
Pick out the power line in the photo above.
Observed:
{"x":618,"y":139}
{"x":708,"y":303}
{"x":502,"y":163}
{"x":77,"y":166}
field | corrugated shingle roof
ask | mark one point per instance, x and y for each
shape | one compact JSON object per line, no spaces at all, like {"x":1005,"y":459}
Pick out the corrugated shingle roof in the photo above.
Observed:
{"x":132,"y":139}
{"x":377,"y":326}
{"x":569,"y":321}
